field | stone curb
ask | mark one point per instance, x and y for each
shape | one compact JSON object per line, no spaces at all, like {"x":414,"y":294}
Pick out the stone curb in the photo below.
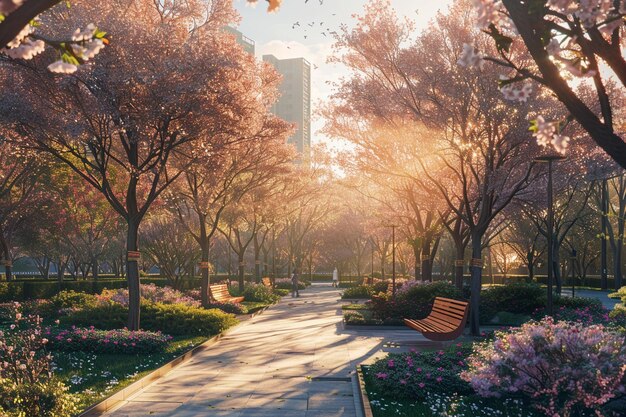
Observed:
{"x":122,"y":395}
{"x":365,"y":402}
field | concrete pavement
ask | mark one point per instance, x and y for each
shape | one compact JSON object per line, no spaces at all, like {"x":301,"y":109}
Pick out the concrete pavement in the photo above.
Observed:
{"x":294,"y":360}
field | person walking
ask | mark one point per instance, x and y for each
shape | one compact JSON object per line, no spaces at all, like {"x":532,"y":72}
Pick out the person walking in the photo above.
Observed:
{"x":335,"y":278}
{"x":295,"y":280}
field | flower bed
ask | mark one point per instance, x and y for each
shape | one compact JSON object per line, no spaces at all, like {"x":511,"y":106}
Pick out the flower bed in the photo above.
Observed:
{"x":107,"y":341}
{"x":152,"y":293}
{"x":562,"y":368}
{"x":412,"y":375}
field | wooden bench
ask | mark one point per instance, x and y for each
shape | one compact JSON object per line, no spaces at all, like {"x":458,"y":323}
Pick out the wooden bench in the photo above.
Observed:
{"x":267,"y":282}
{"x":446,"y":320}
{"x":220,"y":294}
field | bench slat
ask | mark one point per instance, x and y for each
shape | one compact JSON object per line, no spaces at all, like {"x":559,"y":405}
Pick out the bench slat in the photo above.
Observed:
{"x":446,"y":320}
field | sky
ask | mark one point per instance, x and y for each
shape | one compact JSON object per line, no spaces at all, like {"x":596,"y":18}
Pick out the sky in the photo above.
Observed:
{"x":275,"y":33}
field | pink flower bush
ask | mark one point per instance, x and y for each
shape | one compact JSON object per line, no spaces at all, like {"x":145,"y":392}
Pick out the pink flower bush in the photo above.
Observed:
{"x":561,"y":366}
{"x":152,"y":293}
{"x":23,"y":357}
{"x":27,"y":385}
{"x":103,"y":341}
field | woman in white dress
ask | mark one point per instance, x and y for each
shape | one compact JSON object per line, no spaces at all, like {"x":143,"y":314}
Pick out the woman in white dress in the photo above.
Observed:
{"x":335,"y":278}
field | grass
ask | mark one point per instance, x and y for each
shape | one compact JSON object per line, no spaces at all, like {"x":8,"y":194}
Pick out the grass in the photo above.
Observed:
{"x":254,"y":306}
{"x":355,"y":306}
{"x":439,"y":405}
{"x":92,"y":377}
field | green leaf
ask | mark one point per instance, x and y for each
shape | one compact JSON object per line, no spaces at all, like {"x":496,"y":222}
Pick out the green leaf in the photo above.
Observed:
{"x":99,"y":34}
{"x":503,"y":42}
{"x":70,"y":59}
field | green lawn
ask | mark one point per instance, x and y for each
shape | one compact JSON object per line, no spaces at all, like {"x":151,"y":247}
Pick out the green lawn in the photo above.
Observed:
{"x":437,"y":405}
{"x":254,"y":306}
{"x":95,"y":376}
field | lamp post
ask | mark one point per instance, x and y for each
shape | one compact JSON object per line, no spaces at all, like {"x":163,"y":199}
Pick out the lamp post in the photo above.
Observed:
{"x":549,"y":159}
{"x":372,"y":276}
{"x":573,"y":272}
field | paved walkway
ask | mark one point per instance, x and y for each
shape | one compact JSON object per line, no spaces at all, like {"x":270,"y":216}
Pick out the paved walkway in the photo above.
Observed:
{"x":600,"y":295}
{"x":294,"y":360}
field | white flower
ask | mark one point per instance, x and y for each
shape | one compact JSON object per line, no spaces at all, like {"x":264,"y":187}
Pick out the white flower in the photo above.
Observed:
{"x":560,"y":142}
{"x":62,"y":67}
{"x":545,"y":131}
{"x":26,"y":30}
{"x":91,"y":49}
{"x":512,"y":93}
{"x":84,"y":35}
{"x":26,"y":50}
{"x":470,"y":57}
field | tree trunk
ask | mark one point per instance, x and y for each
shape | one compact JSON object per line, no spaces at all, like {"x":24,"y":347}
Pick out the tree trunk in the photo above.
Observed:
{"x":242,"y":270}
{"x":617,"y":263}
{"x":6,"y":256}
{"x":556,"y":268}
{"x":458,"y":266}
{"x":257,"y":261}
{"x":530,"y":260}
{"x":417,"y":254}
{"x":204,"y":260}
{"x":427,"y":266}
{"x":94,"y":268}
{"x":132,"y":277}
{"x":476,"y":284}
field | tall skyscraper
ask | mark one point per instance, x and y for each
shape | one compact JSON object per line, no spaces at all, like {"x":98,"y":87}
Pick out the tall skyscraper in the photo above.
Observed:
{"x":294,"y":104}
{"x":247,"y":43}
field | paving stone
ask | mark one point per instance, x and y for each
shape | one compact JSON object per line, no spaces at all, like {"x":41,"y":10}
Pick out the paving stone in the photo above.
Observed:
{"x":267,"y":367}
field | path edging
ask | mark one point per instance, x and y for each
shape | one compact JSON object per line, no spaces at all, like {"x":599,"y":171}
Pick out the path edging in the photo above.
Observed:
{"x":365,"y":402}
{"x":114,"y":399}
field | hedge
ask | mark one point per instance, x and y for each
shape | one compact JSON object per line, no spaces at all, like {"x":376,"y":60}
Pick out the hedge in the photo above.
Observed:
{"x":173,"y":319}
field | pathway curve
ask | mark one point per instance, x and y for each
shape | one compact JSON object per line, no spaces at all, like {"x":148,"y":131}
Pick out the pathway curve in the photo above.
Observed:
{"x":294,"y":360}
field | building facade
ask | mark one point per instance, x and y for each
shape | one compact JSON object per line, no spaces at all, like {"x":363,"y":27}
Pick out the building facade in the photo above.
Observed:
{"x":248,"y":44}
{"x":294,"y":104}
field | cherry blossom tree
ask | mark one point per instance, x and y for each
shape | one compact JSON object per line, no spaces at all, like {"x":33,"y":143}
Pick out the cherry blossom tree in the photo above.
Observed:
{"x":20,"y":195}
{"x":551,"y":44}
{"x":132,"y":125}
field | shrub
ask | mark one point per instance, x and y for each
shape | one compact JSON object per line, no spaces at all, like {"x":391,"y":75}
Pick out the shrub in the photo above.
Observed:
{"x":47,"y":398}
{"x":151,"y":293}
{"x":565,"y":368}
{"x":285,"y":284}
{"x":361,"y":291}
{"x":413,"y":300}
{"x":11,"y":291}
{"x":413,"y":375}
{"x":380,"y":286}
{"x":233,"y":308}
{"x":577,"y":309}
{"x":354,"y":317}
{"x":70,"y":299}
{"x":107,"y":341}
{"x":260,"y":293}
{"x":577,"y":302}
{"x":174,"y":319}
{"x":281,"y":292}
{"x":517,"y":298}
{"x":27,"y":386}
